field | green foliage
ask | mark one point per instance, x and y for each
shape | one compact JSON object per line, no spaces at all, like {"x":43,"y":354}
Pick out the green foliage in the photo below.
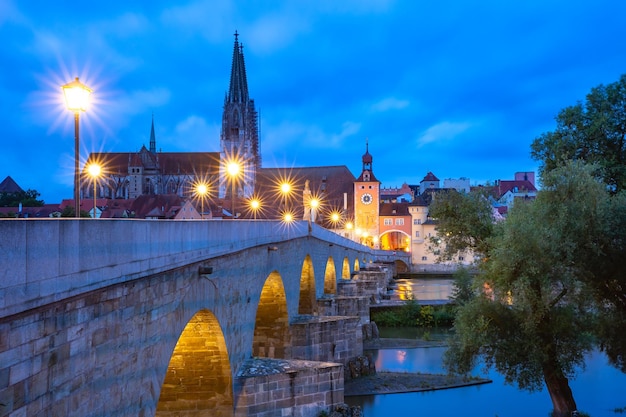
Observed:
{"x":551,"y":286}
{"x":411,"y":314}
{"x":465,"y":221}
{"x":69,"y":211}
{"x":28,"y":198}
{"x":593,"y":132}
{"x":425,"y":318}
{"x":463,"y":290}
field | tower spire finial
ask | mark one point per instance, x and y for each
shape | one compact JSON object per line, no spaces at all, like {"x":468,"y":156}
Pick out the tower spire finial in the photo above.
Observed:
{"x":152,"y":137}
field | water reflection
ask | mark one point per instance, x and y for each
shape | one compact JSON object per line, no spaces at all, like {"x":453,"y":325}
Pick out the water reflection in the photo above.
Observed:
{"x":429,"y":289}
{"x":598,"y":390}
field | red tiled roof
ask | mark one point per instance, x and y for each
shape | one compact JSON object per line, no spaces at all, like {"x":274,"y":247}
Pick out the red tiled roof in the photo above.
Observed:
{"x":401,"y":209}
{"x":329,"y":183}
{"x":430,"y":177}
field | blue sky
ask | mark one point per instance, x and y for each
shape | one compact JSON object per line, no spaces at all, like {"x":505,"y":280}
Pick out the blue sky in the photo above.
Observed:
{"x":455,"y":87}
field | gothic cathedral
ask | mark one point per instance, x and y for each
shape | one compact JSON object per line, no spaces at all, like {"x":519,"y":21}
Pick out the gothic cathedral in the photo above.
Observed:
{"x":367,"y":203}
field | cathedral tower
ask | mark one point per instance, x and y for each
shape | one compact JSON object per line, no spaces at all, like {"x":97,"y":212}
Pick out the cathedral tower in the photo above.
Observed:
{"x":239,"y":138}
{"x":367,"y":203}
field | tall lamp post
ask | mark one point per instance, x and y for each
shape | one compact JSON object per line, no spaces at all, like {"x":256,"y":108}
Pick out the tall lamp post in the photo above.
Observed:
{"x":94,"y":171}
{"x":202,"y":190}
{"x":233,"y":168}
{"x":76,"y":99}
{"x":285,"y":189}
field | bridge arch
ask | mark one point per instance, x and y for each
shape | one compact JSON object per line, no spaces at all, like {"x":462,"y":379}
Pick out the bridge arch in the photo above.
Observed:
{"x":198,"y":375}
{"x":345,"y":268}
{"x":306,"y":302}
{"x":271,"y":328}
{"x":330,"y":277}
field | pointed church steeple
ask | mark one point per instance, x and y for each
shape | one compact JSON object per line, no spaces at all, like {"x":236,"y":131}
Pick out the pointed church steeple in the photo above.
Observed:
{"x":152,"y":137}
{"x":239,"y":138}
{"x":238,"y":90}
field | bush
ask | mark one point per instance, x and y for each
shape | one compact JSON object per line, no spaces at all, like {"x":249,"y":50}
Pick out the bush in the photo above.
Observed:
{"x":411,"y":314}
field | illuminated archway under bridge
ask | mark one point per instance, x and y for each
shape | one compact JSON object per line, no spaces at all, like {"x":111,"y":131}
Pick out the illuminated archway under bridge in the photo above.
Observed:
{"x":121,"y":312}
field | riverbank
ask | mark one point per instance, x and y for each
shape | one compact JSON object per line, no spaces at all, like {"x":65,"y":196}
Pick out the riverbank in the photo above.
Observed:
{"x":399,"y":382}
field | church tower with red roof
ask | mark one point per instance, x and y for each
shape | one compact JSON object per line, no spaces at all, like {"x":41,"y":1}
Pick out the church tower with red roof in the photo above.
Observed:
{"x":367,"y":203}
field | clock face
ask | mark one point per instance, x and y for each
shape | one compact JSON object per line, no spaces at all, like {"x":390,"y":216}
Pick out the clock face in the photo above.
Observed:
{"x":366,"y":198}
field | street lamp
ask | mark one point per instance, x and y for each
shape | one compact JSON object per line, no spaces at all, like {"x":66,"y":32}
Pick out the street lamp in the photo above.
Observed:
{"x":76,"y":99}
{"x":334,"y":218}
{"x":233,"y":169}
{"x":255,"y":205}
{"x":94,"y":170}
{"x":202,"y":190}
{"x":314,"y":204}
{"x":285,"y":189}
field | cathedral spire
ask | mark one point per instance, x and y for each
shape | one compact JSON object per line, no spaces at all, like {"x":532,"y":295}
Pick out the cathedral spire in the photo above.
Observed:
{"x":152,"y":137}
{"x":238,"y":90}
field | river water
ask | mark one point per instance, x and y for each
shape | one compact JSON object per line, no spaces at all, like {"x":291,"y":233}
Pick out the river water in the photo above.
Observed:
{"x":599,"y":389}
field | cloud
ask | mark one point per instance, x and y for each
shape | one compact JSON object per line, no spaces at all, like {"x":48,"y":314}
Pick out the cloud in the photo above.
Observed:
{"x":389,"y":103}
{"x":440,"y":132}
{"x":195,"y":133}
{"x":211,"y":19}
{"x":289,"y":134}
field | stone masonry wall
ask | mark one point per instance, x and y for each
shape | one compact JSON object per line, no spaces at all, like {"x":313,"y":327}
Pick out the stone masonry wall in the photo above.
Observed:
{"x":330,"y":339}
{"x":288,"y":388}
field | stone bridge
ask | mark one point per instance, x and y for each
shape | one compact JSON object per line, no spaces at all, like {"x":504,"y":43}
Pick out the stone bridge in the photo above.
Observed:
{"x":180,"y":318}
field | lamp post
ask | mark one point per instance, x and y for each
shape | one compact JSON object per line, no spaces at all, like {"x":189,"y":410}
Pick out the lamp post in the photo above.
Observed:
{"x":76,"y":99}
{"x":233,"y":168}
{"x":94,"y":170}
{"x":314,"y":203}
{"x":202,"y":190}
{"x":285,"y":189}
{"x":255,"y":204}
{"x":334,"y":218}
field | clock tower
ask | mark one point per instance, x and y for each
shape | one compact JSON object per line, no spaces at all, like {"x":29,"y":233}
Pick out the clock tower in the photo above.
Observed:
{"x":367,"y":203}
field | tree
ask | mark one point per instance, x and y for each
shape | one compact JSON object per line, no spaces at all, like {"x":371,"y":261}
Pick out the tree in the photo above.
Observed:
{"x":594,"y":132}
{"x":69,"y":211}
{"x":27,"y":198}
{"x":464,"y":219}
{"x":537,"y":314}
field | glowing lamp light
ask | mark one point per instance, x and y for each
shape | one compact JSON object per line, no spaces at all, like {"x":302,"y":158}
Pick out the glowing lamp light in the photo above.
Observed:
{"x":76,"y":95}
{"x":233,"y":168}
{"x":201,"y":191}
{"x":285,"y":187}
{"x":255,"y":205}
{"x":94,"y":171}
{"x":288,"y":218}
